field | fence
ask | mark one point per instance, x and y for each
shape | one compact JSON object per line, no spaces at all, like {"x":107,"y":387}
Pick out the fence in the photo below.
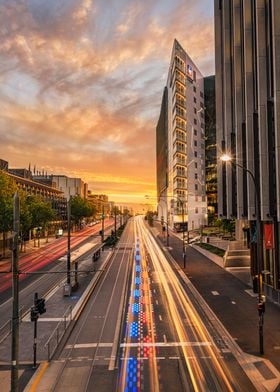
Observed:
{"x":58,"y":333}
{"x":6,"y":329}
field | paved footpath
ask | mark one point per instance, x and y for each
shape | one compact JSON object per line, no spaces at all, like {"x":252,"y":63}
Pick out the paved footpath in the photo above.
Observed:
{"x":229,"y":294}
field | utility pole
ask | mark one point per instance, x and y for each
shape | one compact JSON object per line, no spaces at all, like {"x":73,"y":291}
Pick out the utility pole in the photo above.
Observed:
{"x":15,"y":316}
{"x":115,"y":210}
{"x":102,"y":236}
{"x":67,"y":287}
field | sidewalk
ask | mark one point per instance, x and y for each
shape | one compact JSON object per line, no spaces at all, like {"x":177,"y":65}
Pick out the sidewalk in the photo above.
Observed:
{"x":229,"y":294}
{"x":56,"y":306}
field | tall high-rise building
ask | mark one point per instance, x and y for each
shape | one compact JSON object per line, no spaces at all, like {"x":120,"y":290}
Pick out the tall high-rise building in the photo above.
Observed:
{"x":210,"y":147}
{"x":180,"y":145}
{"x":248,"y":127}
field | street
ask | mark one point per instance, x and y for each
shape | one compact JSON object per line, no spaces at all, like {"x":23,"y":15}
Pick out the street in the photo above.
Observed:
{"x":145,"y":328}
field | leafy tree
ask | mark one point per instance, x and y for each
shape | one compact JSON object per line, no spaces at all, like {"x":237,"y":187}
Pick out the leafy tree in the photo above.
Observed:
{"x":7,"y":190}
{"x":150,"y":217}
{"x":41,"y":212}
{"x":80,"y":208}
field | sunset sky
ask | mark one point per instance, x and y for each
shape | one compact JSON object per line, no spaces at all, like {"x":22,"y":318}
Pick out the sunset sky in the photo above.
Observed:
{"x":81,"y":84}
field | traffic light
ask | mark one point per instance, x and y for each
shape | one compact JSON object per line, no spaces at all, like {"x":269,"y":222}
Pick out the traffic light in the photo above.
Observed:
{"x":40,"y":305}
{"x":34,"y":313}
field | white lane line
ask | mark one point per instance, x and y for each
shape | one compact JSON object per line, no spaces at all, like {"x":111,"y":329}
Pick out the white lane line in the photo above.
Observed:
{"x":233,"y":302}
{"x":215,"y":292}
{"x":165,"y":344}
{"x":160,"y":317}
{"x":164,"y":338}
{"x":140,"y":344}
{"x":174,"y":357}
{"x":156,"y":301}
{"x":154,"y":290}
{"x":89,"y":345}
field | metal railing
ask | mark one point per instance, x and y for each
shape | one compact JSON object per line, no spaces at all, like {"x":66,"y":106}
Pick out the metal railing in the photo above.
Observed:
{"x":58,"y":333}
{"x":6,"y":328}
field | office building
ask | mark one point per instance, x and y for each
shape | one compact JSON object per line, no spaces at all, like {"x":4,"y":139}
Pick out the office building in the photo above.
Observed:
{"x":210,"y":148}
{"x":247,"y":49}
{"x":181,"y":146}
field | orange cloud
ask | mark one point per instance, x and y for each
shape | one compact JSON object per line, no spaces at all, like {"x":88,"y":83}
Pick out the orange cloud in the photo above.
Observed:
{"x":81,"y":85}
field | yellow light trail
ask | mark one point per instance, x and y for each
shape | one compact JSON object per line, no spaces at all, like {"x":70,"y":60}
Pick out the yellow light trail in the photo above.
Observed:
{"x":179,"y":305}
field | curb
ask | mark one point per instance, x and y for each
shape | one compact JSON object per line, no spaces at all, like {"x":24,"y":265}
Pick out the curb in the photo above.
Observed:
{"x":215,"y":258}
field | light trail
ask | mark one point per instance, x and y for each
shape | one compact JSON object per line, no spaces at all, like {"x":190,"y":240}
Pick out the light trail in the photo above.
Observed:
{"x":204,"y":374}
{"x":140,"y":336}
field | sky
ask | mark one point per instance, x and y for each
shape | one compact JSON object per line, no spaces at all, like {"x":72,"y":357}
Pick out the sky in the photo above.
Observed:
{"x":81,"y":84}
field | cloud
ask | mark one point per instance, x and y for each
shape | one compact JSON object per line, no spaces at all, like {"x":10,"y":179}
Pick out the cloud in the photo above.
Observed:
{"x":81,"y":83}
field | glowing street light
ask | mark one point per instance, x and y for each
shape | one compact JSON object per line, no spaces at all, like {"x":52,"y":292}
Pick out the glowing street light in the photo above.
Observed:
{"x":227,"y":158}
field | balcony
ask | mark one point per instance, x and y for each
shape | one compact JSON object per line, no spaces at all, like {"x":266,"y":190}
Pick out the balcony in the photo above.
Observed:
{"x":180,"y":161}
{"x":180,"y":184}
{"x":177,"y":136}
{"x":180,"y":148}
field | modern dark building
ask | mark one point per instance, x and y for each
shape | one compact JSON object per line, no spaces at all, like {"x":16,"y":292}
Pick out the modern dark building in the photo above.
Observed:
{"x":247,"y":49}
{"x":210,"y":147}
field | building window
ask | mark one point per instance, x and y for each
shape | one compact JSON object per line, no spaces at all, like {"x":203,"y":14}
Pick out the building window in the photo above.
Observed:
{"x":196,"y":187}
{"x":195,"y":165}
{"x":194,"y":76}
{"x":195,"y":176}
{"x":194,"y":99}
{"x":195,"y":143}
{"x":195,"y":121}
{"x":195,"y":153}
{"x":194,"y":89}
{"x":195,"y":132}
{"x":194,"y":109}
{"x":196,"y":210}
{"x":201,"y":94}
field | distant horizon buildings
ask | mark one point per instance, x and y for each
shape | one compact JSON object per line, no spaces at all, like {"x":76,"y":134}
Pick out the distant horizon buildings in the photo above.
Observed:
{"x":180,"y":145}
{"x":55,"y":189}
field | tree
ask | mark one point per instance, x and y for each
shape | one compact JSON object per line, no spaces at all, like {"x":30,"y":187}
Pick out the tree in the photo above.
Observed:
{"x":41,"y":213}
{"x":150,"y":217}
{"x":80,"y":208}
{"x":7,"y":191}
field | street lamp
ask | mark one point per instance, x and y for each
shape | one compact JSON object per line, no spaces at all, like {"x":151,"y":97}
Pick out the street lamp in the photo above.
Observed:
{"x":228,"y":158}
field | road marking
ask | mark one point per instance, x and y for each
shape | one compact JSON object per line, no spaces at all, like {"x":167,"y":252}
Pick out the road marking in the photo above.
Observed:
{"x":140,"y":344}
{"x":160,"y":317}
{"x":165,"y":344}
{"x":39,"y":377}
{"x":164,"y":338}
{"x":233,"y":302}
{"x":156,"y":301}
{"x":215,"y":292}
{"x":89,"y":345}
{"x":174,"y":357}
{"x":154,"y":290}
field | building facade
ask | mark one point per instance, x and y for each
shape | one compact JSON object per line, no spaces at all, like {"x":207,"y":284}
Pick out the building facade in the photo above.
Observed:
{"x":23,"y":178}
{"x":181,"y":145}
{"x":210,"y":147}
{"x":247,"y":49}
{"x":68,"y":185}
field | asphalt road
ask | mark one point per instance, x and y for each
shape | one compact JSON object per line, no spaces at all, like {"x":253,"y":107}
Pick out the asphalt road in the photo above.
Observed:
{"x":49,"y":258}
{"x":145,"y":328}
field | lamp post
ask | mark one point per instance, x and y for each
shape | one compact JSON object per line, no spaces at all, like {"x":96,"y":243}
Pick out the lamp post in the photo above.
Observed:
{"x":227,"y":158}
